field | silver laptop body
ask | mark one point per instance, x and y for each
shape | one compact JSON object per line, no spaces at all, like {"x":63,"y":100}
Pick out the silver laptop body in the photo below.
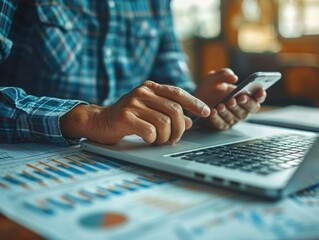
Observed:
{"x":276,"y":185}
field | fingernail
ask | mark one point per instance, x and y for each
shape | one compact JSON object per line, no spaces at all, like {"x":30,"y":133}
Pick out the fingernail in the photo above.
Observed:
{"x":233,"y":105}
{"x":244,"y":100}
{"x":228,"y":71}
{"x":206,"y":111}
{"x":222,"y":110}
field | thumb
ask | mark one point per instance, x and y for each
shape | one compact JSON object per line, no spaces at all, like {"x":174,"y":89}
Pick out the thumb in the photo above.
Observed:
{"x":225,"y":75}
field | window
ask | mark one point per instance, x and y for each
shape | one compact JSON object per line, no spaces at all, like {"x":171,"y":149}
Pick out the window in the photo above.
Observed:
{"x":256,"y":27}
{"x":298,"y":18}
{"x":201,"y":18}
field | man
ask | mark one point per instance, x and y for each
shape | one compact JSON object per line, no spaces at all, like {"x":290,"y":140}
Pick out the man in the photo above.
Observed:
{"x":102,"y":52}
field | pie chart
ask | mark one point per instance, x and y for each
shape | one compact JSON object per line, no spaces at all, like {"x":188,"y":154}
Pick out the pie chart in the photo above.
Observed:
{"x":103,"y":220}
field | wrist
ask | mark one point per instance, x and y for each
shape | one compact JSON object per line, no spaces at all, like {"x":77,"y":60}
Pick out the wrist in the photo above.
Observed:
{"x":75,"y":123}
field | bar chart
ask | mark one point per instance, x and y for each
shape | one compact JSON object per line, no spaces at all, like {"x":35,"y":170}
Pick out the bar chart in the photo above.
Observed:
{"x":82,"y":196}
{"x":67,"y":168}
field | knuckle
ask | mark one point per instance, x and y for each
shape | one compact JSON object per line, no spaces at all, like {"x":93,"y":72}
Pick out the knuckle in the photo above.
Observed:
{"x":141,"y":91}
{"x":176,"y":108}
{"x":150,"y":133}
{"x":165,"y":121}
{"x":149,"y":84}
{"x":132,"y":102}
{"x":125,"y":115}
{"x":178,"y":91}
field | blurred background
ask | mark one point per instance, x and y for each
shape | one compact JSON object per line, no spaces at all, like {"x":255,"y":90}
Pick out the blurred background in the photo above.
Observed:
{"x":255,"y":35}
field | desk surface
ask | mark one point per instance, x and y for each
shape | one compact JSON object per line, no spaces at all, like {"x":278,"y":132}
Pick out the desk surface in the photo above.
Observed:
{"x":11,"y":230}
{"x":289,"y":214}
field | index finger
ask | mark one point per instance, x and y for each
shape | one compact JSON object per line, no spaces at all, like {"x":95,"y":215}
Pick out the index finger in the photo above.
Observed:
{"x":180,"y":96}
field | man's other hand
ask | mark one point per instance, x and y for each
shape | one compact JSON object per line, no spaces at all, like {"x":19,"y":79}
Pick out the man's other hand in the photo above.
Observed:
{"x":215,"y":87}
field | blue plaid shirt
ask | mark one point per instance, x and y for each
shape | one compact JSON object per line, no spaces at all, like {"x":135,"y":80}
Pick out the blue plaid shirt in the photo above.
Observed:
{"x":93,"y":51}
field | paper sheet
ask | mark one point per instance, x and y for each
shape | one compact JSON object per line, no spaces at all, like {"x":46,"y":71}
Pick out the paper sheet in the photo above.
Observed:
{"x":70,"y":194}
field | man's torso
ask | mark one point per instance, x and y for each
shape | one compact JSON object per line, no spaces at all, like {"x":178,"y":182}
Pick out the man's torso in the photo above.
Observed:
{"x":89,"y":50}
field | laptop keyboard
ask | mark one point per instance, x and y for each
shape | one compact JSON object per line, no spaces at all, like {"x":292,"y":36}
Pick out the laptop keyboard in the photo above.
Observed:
{"x":260,"y":156}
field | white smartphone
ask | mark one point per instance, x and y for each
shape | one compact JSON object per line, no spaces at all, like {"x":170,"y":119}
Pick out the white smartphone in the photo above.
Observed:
{"x":258,"y":80}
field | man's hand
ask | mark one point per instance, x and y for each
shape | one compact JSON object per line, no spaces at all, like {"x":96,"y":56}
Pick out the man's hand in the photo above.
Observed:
{"x":215,"y":87}
{"x":152,"y":111}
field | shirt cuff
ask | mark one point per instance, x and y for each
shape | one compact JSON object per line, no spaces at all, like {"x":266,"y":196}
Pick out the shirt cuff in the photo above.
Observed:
{"x":37,"y":118}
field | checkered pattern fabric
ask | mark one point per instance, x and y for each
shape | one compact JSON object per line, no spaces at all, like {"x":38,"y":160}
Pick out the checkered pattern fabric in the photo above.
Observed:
{"x":89,"y":50}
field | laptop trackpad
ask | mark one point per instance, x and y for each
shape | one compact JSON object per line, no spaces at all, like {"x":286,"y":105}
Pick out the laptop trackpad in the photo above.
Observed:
{"x":201,"y":136}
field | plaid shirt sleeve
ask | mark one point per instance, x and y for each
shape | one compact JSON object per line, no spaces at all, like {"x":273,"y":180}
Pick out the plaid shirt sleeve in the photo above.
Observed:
{"x":28,"y":118}
{"x":24,"y":117}
{"x":171,"y":64}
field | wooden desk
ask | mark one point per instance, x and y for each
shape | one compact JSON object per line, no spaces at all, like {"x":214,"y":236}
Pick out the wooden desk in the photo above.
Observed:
{"x":11,"y":230}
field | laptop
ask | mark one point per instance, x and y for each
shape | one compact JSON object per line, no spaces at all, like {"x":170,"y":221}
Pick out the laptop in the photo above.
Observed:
{"x":262,"y":160}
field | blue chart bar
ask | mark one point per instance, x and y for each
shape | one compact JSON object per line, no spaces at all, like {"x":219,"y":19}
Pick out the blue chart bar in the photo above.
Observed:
{"x":110,"y":164}
{"x":97,"y":165}
{"x":68,"y":168}
{"x":44,"y":174}
{"x":30,"y":177}
{"x":140,"y":183}
{"x":152,"y":180}
{"x":95,"y":195}
{"x":115,"y":191}
{"x":71,"y":169}
{"x":58,"y":172}
{"x":37,"y":209}
{"x":106,"y":162}
{"x":13,"y":180}
{"x":77,"y":199}
{"x":60,"y":204}
{"x":85,"y":167}
{"x":129,"y":186}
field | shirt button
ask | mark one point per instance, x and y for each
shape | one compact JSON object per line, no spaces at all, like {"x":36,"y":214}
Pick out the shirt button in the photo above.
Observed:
{"x":111,"y":4}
